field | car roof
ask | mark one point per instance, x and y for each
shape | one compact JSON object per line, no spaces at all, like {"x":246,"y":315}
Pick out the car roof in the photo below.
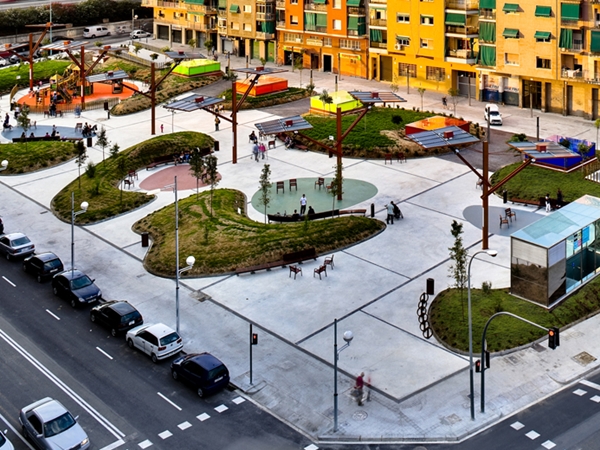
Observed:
{"x":75,"y":274}
{"x":205,"y":360}
{"x":50,"y":410}
{"x":160,"y":330}
{"x":12,"y":236}
{"x":46,"y":256}
{"x":121,"y":306}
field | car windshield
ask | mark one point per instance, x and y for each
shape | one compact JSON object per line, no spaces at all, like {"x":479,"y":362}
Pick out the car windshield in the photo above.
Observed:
{"x":59,"y":425}
{"x":80,"y":282}
{"x":131,"y":316}
{"x":52,"y":264}
{"x":170,"y":338}
{"x":217,"y":372}
{"x":494,"y":113}
{"x":21,"y":241}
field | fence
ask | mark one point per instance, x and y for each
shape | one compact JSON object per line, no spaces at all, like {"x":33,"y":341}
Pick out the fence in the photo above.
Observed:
{"x":142,"y":61}
{"x":70,"y":107}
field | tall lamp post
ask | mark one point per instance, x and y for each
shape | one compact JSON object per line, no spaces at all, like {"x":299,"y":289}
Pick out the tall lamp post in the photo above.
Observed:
{"x":84,"y":207}
{"x":3,"y":165}
{"x":493,"y":254}
{"x":348,"y":336}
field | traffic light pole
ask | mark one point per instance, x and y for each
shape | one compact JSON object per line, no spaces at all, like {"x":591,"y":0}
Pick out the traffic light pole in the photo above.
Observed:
{"x":250,"y":341}
{"x":483,"y":368}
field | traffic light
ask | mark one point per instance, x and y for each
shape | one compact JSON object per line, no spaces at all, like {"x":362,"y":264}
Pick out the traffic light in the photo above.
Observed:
{"x":254,"y":338}
{"x":553,"y":337}
{"x":487,"y":359}
{"x":478,"y":366}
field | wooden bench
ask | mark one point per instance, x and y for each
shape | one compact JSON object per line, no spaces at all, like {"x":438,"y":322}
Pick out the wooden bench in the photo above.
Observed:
{"x":253,"y":269}
{"x":316,"y":216}
{"x":528,"y":202}
{"x":362,"y":212}
{"x":36,"y":139}
{"x":287,"y":259}
{"x":301,"y":147}
{"x":319,"y":270}
{"x":166,"y":159}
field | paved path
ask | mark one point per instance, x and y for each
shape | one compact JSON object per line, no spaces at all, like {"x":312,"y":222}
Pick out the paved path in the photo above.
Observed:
{"x":420,"y":389}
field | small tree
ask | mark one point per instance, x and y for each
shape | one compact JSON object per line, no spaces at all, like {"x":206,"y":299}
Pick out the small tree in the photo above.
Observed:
{"x":192,"y":43}
{"x":397,"y":120}
{"x":263,"y":61}
{"x":102,"y":140}
{"x":265,"y":187}
{"x":208,"y":44}
{"x":458,"y":256}
{"x":24,"y":122}
{"x":81,"y":156}
{"x":453,"y":93}
{"x":597,"y":125}
{"x":197,"y":168}
{"x":336,"y":186}
{"x":421,"y":93}
{"x":582,"y":149}
{"x":299,"y":64}
{"x":137,"y":47}
{"x":326,"y":99}
{"x":121,"y":171}
{"x":114,"y":150}
{"x":153,"y":56}
{"x":310,"y":88}
{"x":211,"y":176}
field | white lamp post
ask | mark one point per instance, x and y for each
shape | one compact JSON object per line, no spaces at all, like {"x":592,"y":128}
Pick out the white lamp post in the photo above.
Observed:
{"x":493,"y":254}
{"x":3,"y":165}
{"x":84,"y":207}
{"x":133,"y":17}
{"x":348,"y":336}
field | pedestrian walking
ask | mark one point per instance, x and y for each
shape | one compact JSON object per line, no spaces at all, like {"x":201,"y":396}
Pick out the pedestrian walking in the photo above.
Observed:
{"x":262,"y":149}
{"x":217,"y":122}
{"x":390,"y":213}
{"x":303,"y":201}
{"x":162,"y":127}
{"x":359,"y":388}
{"x":445,"y":102}
{"x":548,"y":206}
{"x":255,"y":151}
{"x":559,"y":198}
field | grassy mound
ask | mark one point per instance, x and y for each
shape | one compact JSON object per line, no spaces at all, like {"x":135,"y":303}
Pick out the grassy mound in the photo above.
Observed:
{"x":102,"y":190}
{"x":35,"y":156}
{"x":19,"y":73}
{"x":229,"y":240}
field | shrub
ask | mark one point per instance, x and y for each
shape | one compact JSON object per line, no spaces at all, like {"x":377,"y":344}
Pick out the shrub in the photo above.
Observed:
{"x":90,"y":169}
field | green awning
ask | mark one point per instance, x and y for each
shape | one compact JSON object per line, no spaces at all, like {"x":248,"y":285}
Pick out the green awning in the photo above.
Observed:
{"x":321,"y":20}
{"x":543,"y":11}
{"x":510,"y":7}
{"x":569,"y":11}
{"x":356,"y":23}
{"x":542,"y":35}
{"x":222,"y":4}
{"x":195,"y":2}
{"x":510,"y":33}
{"x":310,"y":21}
{"x":487,"y":55}
{"x":566,"y":38}
{"x":456,"y":19}
{"x":194,"y":13}
{"x":268,"y":27}
{"x":234,"y":9}
{"x":487,"y":4}
{"x":487,"y":31}
{"x":353,"y":2}
{"x":319,"y":2}
{"x":595,"y":44}
{"x":376,"y":35}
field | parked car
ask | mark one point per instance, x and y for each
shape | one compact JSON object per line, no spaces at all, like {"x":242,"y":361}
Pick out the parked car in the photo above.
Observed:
{"x":49,"y":425}
{"x":4,"y":62}
{"x":494,"y":114}
{"x":137,"y":34}
{"x":204,"y":372}
{"x":117,"y":315}
{"x":95,"y":31}
{"x":5,"y":444}
{"x":16,"y":244}
{"x":157,"y":340}
{"x":76,"y":287}
{"x":43,"y":266}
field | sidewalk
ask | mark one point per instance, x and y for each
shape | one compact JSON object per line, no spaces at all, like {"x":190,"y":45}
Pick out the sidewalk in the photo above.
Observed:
{"x":420,"y":389}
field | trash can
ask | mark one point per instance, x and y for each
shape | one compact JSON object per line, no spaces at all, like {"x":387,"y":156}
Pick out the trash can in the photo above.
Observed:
{"x":89,"y":142}
{"x":145,"y":239}
{"x":217,"y":146}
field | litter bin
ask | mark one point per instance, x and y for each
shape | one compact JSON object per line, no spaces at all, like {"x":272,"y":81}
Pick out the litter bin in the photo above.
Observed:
{"x":145,"y":239}
{"x":217,"y":146}
{"x":89,"y":142}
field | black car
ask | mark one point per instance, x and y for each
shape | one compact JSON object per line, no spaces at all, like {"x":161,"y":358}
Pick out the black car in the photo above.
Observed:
{"x":43,"y":266}
{"x":202,"y":371}
{"x":117,"y":315}
{"x":76,"y":287}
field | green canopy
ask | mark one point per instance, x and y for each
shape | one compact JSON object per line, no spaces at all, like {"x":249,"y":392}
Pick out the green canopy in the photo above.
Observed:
{"x":487,"y":4}
{"x":487,"y":55}
{"x":310,"y":21}
{"x":456,"y":19}
{"x":595,"y":45}
{"x":542,"y":35}
{"x":353,"y":2}
{"x":487,"y":31}
{"x":321,"y":20}
{"x":195,"y":2}
{"x":358,"y":24}
{"x":319,"y":2}
{"x":510,"y":7}
{"x":222,"y":4}
{"x":543,"y":11}
{"x":234,"y":9}
{"x":268,"y":27}
{"x":376,"y":35}
{"x":566,"y":38}
{"x":569,"y":11}
{"x":510,"y":33}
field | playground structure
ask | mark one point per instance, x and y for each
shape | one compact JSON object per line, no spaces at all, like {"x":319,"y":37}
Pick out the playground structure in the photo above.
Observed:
{"x":266,"y":85}
{"x":197,"y":67}
{"x":339,"y":100}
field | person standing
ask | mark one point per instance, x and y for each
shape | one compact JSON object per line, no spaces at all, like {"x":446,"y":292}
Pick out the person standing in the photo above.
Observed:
{"x":303,"y":201}
{"x":162,"y":127}
{"x":390,"y":213}
{"x":559,"y":198}
{"x":217,"y":122}
{"x":548,"y":206}
{"x":360,"y":385}
{"x":255,"y":151}
{"x":262,"y":149}
{"x":445,"y":102}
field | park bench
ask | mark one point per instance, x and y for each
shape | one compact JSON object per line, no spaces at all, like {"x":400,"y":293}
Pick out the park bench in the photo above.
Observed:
{"x":36,"y":139}
{"x":315,"y":216}
{"x":286,"y":259}
{"x":361,"y":212}
{"x":165,"y":159}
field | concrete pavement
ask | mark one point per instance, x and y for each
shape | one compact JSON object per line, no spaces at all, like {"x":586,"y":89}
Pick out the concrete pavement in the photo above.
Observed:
{"x":420,"y":389}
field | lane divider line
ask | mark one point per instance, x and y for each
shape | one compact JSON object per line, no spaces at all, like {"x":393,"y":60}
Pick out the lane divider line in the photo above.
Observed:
{"x":8,"y":281}
{"x":169,"y":401}
{"x":104,"y":353}
{"x":52,"y":314}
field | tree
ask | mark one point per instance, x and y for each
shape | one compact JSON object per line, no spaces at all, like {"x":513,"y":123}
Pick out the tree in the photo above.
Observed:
{"x":137,"y":47}
{"x":114,"y":150}
{"x":192,"y":43}
{"x":211,"y":176}
{"x":582,"y":149}
{"x":326,"y":99}
{"x":336,"y":185}
{"x":453,"y":93}
{"x":299,"y":64}
{"x":197,"y":167}
{"x":458,"y":256}
{"x":265,"y":187}
{"x":81,"y":156}
{"x":597,"y":125}
{"x":121,"y":171}
{"x":24,"y":122}
{"x":154,"y":56}
{"x":102,"y":140}
{"x":421,"y":93}
{"x":208,"y":44}
{"x":263,"y":61}
{"x":397,"y":120}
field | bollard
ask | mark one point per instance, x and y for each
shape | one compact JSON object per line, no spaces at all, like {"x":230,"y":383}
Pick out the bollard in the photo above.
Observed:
{"x":145,"y":239}
{"x":372,"y":209}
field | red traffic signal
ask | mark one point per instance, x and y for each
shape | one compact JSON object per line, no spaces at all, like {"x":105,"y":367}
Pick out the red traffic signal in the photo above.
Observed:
{"x":478,"y":366}
{"x":254,"y":338}
{"x":553,"y":337}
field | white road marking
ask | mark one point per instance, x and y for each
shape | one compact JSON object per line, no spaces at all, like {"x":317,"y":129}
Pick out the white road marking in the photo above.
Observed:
{"x":104,"y":353}
{"x":221,"y":408}
{"x":549,"y":445}
{"x":311,"y":447}
{"x":145,"y":444}
{"x":595,"y":398}
{"x":8,"y":281}
{"x":169,"y":401}
{"x":114,"y":445}
{"x":184,"y":425}
{"x":165,"y":434}
{"x":239,"y":400}
{"x":52,"y":314}
{"x":202,"y":417}
{"x":517,"y":426}
{"x":591,"y":384}
{"x":112,"y":429}
{"x":579,"y":392}
{"x":532,"y":435}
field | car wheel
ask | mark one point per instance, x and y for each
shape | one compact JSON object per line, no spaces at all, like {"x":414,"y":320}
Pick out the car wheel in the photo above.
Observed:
{"x":154,"y":358}
{"x":74,"y":303}
{"x":200,"y":393}
{"x":8,"y":257}
{"x":130,"y":343}
{"x":113,"y":332}
{"x":174,"y":375}
{"x":93,"y":317}
{"x":55,"y":290}
{"x":39,"y":278}
{"x":93,"y":36}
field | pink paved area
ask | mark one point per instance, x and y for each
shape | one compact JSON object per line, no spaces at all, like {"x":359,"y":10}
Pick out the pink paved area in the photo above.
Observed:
{"x":164,"y":177}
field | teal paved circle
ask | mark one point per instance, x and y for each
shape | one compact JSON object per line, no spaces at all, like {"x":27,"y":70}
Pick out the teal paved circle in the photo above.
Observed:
{"x":355,"y":192}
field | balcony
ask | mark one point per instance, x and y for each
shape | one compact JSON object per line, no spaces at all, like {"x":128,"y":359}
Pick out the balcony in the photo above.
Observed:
{"x":356,"y":33}
{"x":161,"y":4}
{"x":575,"y":48}
{"x":222,"y":28}
{"x":201,"y":8}
{"x":462,"y":4}
{"x":265,"y":1}
{"x":222,"y":13}
{"x":314,"y":7}
{"x":382,"y":45}
{"x":378,"y":22}
{"x":461,"y":56}
{"x":573,"y":74}
{"x":265,"y":16}
{"x":198,"y":26}
{"x":280,"y":4}
{"x":488,"y":14}
{"x":381,"y":2}
{"x":265,"y":36}
{"x":314,"y":42}
{"x":463,"y":31}
{"x":280,"y":24}
{"x":359,"y":10}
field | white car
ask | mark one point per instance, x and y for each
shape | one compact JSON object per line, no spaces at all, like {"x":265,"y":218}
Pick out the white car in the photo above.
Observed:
{"x":5,"y":443}
{"x":493,"y":112}
{"x":4,"y":62}
{"x":137,"y":34}
{"x":157,"y":340}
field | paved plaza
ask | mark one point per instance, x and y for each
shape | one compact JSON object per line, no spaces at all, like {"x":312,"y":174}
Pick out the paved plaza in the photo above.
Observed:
{"x":420,"y":389}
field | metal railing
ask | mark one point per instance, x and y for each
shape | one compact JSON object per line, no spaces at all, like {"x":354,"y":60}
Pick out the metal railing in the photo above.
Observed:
{"x":315,"y":7}
{"x":358,"y":10}
{"x":265,"y":16}
{"x":462,"y":4}
{"x":265,"y":36}
{"x":461,"y":30}
{"x":488,"y":14}
{"x":142,"y":61}
{"x":378,"y":22}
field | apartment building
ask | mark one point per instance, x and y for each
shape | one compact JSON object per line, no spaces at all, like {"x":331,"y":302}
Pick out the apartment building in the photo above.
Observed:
{"x":326,"y":35}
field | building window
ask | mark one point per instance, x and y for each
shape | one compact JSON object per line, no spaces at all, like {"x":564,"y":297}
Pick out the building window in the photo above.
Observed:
{"x":327,"y":42}
{"x":511,"y":59}
{"x":337,"y":24}
{"x":247,"y":27}
{"x":403,"y":41}
{"x":403,"y":18}
{"x":337,"y":4}
{"x":436,"y":73}
{"x":426,"y":20}
{"x":542,"y":36}
{"x":293,"y":2}
{"x":409,"y":70}
{"x":292,"y":37}
{"x":234,"y":26}
{"x":427,"y":43}
{"x":294,"y":20}
{"x":350,"y":44}
{"x":247,"y":8}
{"x":542,"y":63}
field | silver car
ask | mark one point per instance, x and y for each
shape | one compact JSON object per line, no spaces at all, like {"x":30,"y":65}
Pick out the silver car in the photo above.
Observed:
{"x":50,"y":426}
{"x":16,"y":244}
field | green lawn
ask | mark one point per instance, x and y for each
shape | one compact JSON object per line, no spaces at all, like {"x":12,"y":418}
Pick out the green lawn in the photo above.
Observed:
{"x":41,"y":71}
{"x":24,"y":158}
{"x":229,"y":240}
{"x":102,"y":191}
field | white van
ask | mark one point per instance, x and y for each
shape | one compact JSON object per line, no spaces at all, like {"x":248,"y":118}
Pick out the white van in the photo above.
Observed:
{"x":493,"y":112}
{"x":95,"y":31}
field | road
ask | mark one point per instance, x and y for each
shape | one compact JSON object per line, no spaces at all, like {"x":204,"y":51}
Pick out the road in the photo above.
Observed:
{"x":121,"y":397}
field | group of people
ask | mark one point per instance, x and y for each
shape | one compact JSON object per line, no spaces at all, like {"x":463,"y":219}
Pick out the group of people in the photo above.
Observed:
{"x":88,"y":130}
{"x":289,"y":142}
{"x":258,"y":149}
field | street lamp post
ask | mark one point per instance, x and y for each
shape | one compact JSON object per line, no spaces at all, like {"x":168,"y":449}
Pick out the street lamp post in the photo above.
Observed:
{"x":3,"y":165}
{"x":84,"y":207}
{"x":133,"y":17}
{"x":348,"y":336}
{"x":493,"y":254}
